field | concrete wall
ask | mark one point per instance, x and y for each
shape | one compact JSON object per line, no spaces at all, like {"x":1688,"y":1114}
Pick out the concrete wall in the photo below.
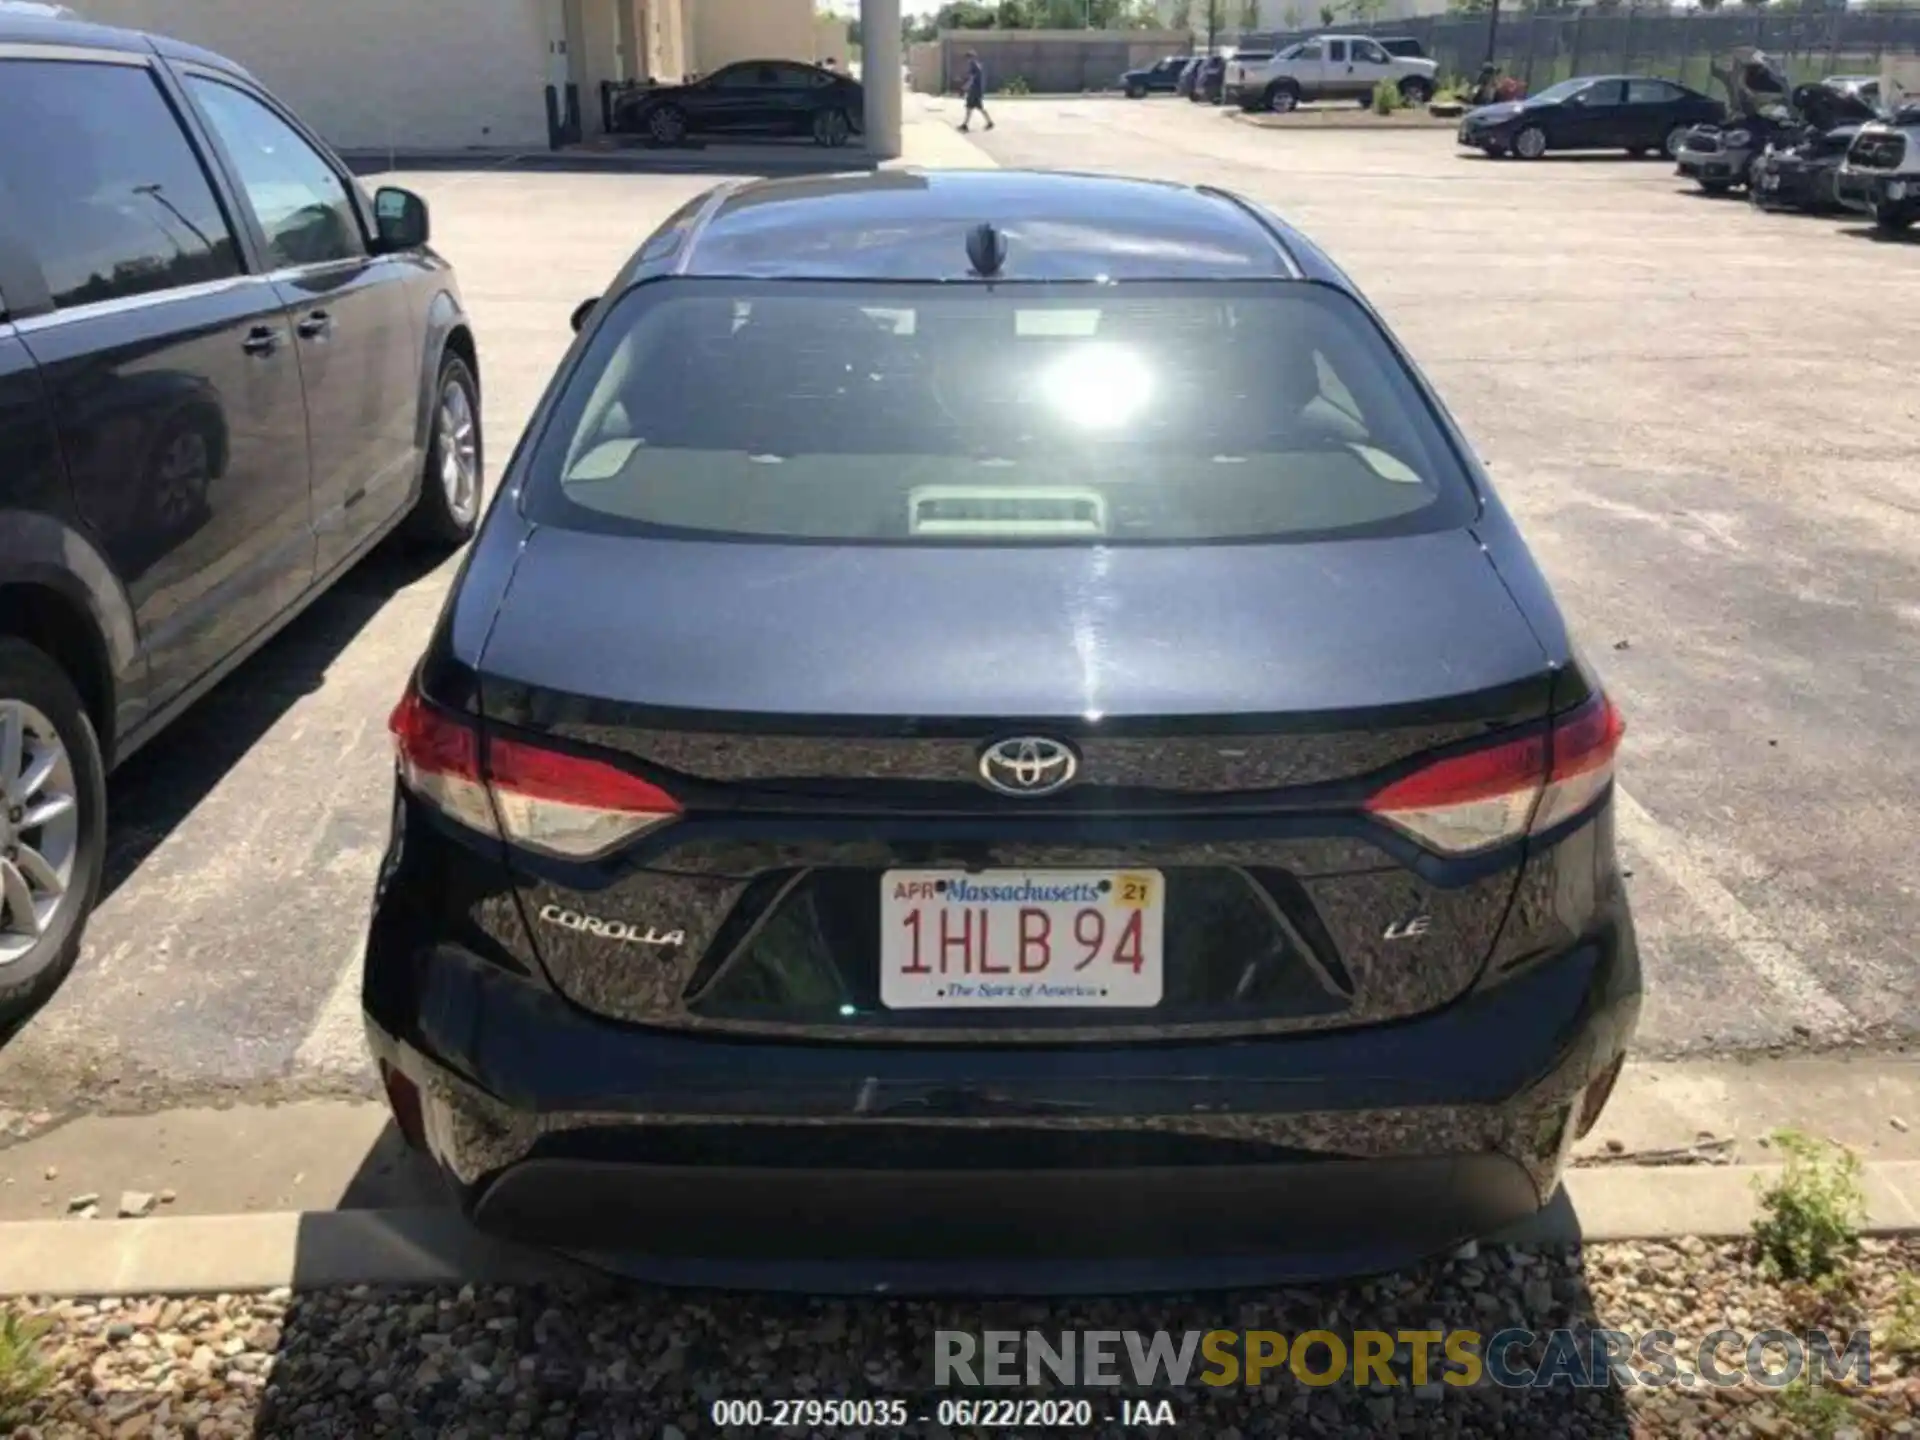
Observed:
{"x":1053,"y":62}
{"x":663,"y":30}
{"x":367,"y":74}
{"x":729,"y":30}
{"x":830,"y":40}
{"x":924,"y":66}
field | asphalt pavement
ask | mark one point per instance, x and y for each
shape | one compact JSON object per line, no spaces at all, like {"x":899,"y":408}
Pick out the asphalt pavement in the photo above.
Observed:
{"x":1702,"y":418}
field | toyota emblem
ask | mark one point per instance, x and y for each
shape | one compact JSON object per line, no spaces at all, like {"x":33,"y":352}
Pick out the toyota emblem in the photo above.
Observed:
{"x":1028,"y":765}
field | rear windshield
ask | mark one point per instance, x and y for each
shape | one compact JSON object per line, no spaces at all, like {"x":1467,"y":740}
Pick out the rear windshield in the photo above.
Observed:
{"x":924,"y":414}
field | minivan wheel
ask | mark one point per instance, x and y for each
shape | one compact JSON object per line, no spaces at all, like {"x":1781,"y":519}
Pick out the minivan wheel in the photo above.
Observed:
{"x":449,"y":505}
{"x":1530,"y":143}
{"x":53,"y":828}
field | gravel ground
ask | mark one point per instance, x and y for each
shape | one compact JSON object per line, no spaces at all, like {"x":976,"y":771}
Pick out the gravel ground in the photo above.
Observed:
{"x":614,"y":1360}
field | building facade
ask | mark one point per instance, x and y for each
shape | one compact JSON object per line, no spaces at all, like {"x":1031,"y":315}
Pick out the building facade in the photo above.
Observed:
{"x":428,"y":76}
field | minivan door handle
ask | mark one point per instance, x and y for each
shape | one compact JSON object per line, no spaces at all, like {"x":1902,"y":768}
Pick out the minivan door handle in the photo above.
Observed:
{"x":318,"y":323}
{"x":261,"y":340}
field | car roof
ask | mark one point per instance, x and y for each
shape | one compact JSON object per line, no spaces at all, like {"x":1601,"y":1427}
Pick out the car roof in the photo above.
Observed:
{"x":912,"y":225}
{"x":22,"y":27}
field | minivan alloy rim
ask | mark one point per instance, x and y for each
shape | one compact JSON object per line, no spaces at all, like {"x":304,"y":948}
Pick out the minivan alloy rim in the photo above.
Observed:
{"x":39,"y":827}
{"x":459,"y":451}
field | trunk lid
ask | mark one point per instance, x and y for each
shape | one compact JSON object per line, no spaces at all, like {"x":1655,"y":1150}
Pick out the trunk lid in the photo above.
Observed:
{"x":819,"y":733}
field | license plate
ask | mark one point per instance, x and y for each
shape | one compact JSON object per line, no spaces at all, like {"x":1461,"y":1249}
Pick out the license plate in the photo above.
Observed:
{"x":1021,"y":939}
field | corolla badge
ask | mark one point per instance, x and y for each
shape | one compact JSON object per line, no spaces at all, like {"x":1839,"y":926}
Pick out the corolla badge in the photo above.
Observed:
{"x":616,"y":930}
{"x":1028,"y":765}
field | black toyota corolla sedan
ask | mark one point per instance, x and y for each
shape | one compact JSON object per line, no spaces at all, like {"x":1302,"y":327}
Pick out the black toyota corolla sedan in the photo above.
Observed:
{"x":996,"y":735}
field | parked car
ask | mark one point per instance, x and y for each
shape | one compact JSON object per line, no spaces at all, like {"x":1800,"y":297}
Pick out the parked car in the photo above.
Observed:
{"x":765,"y":98}
{"x":744,"y":905}
{"x":1189,"y":75}
{"x":1594,"y":112}
{"x":1335,"y":67}
{"x":1160,"y":78}
{"x":1881,"y":173}
{"x":1241,"y":64}
{"x":1801,"y":170}
{"x":225,"y":374}
{"x":1764,"y":115}
{"x":1209,"y":80}
{"x":1792,"y":137}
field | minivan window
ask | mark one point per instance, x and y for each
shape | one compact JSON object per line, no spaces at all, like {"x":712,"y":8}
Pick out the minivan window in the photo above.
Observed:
{"x":903,"y":413}
{"x":303,"y":207}
{"x":119,"y":201}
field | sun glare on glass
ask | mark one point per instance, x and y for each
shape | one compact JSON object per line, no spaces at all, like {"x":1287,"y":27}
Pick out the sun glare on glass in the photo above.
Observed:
{"x":1097,"y":386}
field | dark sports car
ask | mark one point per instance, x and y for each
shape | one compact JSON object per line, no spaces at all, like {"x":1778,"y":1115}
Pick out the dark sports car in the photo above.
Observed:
{"x":996,"y":734}
{"x":1800,"y":169}
{"x":1804,"y":174}
{"x":1596,"y":112}
{"x":750,"y":98}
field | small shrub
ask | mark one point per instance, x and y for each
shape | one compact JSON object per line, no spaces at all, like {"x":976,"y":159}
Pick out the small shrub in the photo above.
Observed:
{"x":23,"y":1374}
{"x":1016,"y":85}
{"x":1810,"y":1218}
{"x":1509,"y":88}
{"x":1813,"y":1411}
{"x":1901,"y":1336}
{"x":1387,"y":98}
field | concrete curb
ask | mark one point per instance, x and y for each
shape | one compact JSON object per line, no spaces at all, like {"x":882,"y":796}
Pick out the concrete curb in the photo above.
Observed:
{"x":226,"y":1254}
{"x":1354,"y":119}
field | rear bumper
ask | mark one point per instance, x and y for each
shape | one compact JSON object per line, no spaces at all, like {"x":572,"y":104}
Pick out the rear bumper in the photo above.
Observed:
{"x":941,"y":1167}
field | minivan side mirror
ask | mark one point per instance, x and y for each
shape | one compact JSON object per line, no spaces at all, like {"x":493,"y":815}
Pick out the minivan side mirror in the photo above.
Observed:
{"x":400,"y":217}
{"x":582,"y":311}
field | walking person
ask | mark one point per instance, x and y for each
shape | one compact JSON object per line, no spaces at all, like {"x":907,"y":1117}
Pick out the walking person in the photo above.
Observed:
{"x":976,"y":87}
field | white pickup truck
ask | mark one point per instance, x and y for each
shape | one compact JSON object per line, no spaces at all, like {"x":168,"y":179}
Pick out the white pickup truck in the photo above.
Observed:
{"x":1333,"y":67}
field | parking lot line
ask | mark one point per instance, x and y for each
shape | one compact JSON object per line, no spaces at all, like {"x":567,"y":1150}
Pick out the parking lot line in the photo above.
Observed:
{"x":1752,"y":940}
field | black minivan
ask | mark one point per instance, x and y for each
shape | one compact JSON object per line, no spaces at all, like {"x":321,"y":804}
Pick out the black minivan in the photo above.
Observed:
{"x":225,"y":374}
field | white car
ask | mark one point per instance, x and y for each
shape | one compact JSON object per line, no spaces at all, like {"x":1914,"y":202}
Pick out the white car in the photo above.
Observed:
{"x":1334,"y":67}
{"x":1881,"y":174}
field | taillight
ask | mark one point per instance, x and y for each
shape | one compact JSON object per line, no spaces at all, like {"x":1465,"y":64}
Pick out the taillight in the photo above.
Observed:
{"x":543,"y":799}
{"x":1487,"y":797}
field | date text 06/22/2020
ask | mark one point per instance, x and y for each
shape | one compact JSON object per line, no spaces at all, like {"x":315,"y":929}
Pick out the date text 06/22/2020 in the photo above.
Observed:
{"x":814,"y":1413}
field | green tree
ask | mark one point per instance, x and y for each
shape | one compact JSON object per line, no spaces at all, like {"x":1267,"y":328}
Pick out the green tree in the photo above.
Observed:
{"x":965,"y":15}
{"x":1249,"y":15}
{"x":1365,"y":12}
{"x":1326,"y":15}
{"x":1182,"y":16}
